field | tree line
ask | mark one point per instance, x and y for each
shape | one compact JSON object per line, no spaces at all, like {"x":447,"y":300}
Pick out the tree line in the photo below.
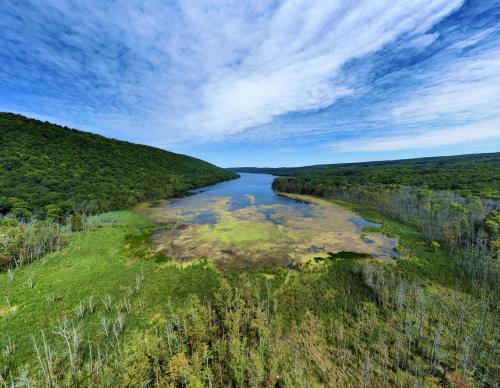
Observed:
{"x":467,"y":175}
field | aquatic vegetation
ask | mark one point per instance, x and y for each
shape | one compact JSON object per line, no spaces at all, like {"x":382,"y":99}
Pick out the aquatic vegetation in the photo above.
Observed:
{"x":294,"y":229}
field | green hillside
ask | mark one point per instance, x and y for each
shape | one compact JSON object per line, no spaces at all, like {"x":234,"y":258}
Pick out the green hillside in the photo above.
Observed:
{"x":44,"y":164}
{"x":477,"y":174}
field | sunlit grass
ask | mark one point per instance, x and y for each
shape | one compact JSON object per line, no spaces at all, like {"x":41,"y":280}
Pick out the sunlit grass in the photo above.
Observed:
{"x":95,"y":264}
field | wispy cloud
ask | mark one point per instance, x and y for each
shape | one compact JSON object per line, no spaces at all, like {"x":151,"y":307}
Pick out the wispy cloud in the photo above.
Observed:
{"x":489,"y":130}
{"x":453,"y":102}
{"x":476,"y":38}
{"x":465,"y":89}
{"x":294,"y":64}
{"x":198,"y":68}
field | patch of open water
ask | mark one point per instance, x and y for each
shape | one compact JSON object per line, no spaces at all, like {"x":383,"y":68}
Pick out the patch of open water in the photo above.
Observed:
{"x":359,"y":222}
{"x":250,"y":190}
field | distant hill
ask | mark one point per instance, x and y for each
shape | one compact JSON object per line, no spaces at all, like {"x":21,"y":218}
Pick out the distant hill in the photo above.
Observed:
{"x":44,"y":164}
{"x":476,"y":174}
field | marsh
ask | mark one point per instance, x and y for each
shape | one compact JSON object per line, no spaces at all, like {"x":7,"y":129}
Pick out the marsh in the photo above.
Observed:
{"x":243,"y":223}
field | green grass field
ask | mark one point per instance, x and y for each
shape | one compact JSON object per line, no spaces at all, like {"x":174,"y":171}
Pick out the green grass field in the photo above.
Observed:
{"x":343,"y":321}
{"x":94,"y":264}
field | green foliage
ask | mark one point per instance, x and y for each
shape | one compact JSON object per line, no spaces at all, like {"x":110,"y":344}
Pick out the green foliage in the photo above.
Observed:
{"x":43,"y":164}
{"x":53,"y":213}
{"x":76,"y":222}
{"x":370,"y":229}
{"x":8,"y":221}
{"x":140,"y":246}
{"x":352,"y":321}
{"x":435,"y":246}
{"x":492,"y":227}
{"x":22,"y":243}
{"x":18,"y":207}
{"x":92,"y":266}
{"x":467,"y":175}
{"x":446,"y":219}
{"x":492,"y":223}
{"x":343,"y":255}
{"x":5,"y":205}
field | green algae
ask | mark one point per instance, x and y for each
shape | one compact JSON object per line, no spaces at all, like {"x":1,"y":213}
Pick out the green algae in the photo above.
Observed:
{"x":261,"y":235}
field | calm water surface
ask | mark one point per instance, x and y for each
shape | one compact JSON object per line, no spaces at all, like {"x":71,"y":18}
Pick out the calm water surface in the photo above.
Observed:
{"x":249,"y":190}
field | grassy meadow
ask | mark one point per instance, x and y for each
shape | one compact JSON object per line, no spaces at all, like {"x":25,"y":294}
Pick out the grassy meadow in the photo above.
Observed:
{"x":109,"y":310}
{"x":92,"y":279}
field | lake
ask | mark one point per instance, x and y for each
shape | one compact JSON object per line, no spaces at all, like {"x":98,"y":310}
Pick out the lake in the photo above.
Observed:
{"x":242,"y":223}
{"x":251,"y":190}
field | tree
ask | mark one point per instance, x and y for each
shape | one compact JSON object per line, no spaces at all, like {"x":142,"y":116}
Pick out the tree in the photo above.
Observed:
{"x":53,"y":213}
{"x":435,"y":246}
{"x":492,"y":223}
{"x":5,"y":205}
{"x":19,"y":208}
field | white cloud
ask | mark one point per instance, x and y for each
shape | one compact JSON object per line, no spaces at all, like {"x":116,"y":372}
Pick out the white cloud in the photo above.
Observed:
{"x":456,"y":103}
{"x":424,"y":40}
{"x":475,"y":38}
{"x":463,"y":134}
{"x":292,"y":62}
{"x":465,"y":89}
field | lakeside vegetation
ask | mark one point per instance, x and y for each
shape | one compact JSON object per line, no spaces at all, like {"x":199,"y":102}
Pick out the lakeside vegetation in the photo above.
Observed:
{"x":103,"y":311}
{"x":239,"y":235}
{"x":467,"y":227}
{"x":453,"y":201}
{"x":467,"y":175}
{"x":50,"y":171}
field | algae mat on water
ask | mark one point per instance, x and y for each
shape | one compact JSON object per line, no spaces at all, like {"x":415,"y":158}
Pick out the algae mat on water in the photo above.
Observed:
{"x":261,"y":235}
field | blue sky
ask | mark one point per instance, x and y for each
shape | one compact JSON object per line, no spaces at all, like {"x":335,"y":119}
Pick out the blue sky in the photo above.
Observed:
{"x":261,"y":83}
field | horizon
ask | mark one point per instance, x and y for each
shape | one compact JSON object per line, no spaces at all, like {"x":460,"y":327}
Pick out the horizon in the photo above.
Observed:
{"x":288,"y":166}
{"x":282,"y":84}
{"x":365,"y":161}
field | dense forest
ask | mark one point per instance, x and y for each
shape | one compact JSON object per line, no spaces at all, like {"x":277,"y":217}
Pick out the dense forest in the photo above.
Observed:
{"x":453,"y":201}
{"x":48,"y":170}
{"x":477,"y":174}
{"x":136,"y":319}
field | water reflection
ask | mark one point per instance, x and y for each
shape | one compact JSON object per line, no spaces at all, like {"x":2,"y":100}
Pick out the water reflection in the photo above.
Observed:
{"x":243,"y":223}
{"x":251,"y":190}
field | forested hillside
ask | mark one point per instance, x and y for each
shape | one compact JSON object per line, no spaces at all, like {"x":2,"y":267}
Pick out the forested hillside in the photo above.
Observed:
{"x":49,"y":168}
{"x":477,"y":174}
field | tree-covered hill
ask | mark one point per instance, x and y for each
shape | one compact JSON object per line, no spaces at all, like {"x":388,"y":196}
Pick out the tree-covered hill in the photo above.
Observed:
{"x":46,"y":167}
{"x":477,"y":174}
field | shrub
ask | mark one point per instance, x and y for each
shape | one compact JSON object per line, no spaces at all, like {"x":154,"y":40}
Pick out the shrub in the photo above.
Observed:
{"x":26,"y":242}
{"x":77,"y":222}
{"x":53,"y":213}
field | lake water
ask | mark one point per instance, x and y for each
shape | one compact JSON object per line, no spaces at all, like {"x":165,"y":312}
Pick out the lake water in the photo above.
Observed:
{"x":250,"y":190}
{"x":243,"y":223}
